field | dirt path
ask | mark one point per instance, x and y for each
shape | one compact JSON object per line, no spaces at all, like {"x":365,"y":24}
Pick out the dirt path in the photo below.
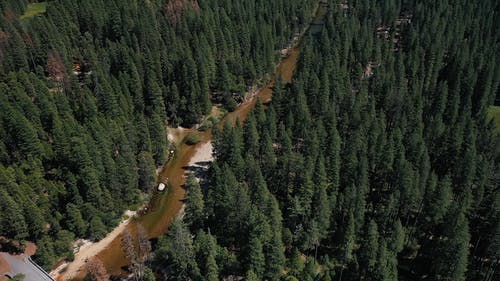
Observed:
{"x":194,"y":158}
{"x":4,"y":267}
{"x":75,"y":270}
{"x":69,"y":271}
{"x":164,"y":206}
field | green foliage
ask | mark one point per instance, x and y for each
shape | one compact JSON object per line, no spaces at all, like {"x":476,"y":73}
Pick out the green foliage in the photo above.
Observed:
{"x":452,"y":255}
{"x":194,"y":213}
{"x":175,"y":253}
{"x":377,"y":161}
{"x":256,"y":259}
{"x":192,"y":139}
{"x":97,"y":230}
{"x":74,"y":220}
{"x":146,"y":165}
{"x":45,"y":255}
{"x":13,"y":222}
{"x":34,"y":9}
{"x":63,"y":245}
{"x":494,"y":114}
{"x":370,"y":247}
{"x":380,"y":176}
{"x":148,"y":275}
{"x":251,"y":276}
{"x":18,"y":277}
{"x":296,"y":264}
{"x":88,"y":87}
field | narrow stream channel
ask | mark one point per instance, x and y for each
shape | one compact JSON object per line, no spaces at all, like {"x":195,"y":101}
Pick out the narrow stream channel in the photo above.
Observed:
{"x":166,"y":205}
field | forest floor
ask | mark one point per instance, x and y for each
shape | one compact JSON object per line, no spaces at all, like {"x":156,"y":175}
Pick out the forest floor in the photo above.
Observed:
{"x":68,"y":271}
{"x":34,"y":9}
{"x":494,"y":113}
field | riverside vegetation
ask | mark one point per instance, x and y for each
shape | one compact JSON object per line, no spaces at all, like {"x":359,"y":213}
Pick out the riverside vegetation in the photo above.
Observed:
{"x":87,"y":86}
{"x":378,"y":161}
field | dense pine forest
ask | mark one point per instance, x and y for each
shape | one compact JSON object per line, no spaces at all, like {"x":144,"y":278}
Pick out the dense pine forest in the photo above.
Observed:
{"x":86,"y":91}
{"x":377,"y":162}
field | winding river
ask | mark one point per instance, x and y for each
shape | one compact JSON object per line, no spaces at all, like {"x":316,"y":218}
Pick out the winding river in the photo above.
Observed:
{"x":164,"y":206}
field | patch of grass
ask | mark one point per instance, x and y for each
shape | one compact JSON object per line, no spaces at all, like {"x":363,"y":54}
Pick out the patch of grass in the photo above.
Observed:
{"x":208,"y":123}
{"x":494,"y":112}
{"x":34,"y":9}
{"x":192,"y":139}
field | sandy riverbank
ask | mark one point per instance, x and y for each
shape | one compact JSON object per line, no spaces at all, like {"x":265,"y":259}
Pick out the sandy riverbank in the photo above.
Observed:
{"x":68,"y":271}
{"x":202,"y":156}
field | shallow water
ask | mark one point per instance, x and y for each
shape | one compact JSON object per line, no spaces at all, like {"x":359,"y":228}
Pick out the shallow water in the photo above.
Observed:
{"x":165,"y":206}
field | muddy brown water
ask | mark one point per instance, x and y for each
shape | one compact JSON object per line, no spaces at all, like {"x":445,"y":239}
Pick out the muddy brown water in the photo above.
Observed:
{"x":165,"y":206}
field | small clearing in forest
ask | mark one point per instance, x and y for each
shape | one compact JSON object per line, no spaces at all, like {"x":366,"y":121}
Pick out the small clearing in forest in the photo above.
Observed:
{"x":494,"y":113}
{"x":34,"y":9}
